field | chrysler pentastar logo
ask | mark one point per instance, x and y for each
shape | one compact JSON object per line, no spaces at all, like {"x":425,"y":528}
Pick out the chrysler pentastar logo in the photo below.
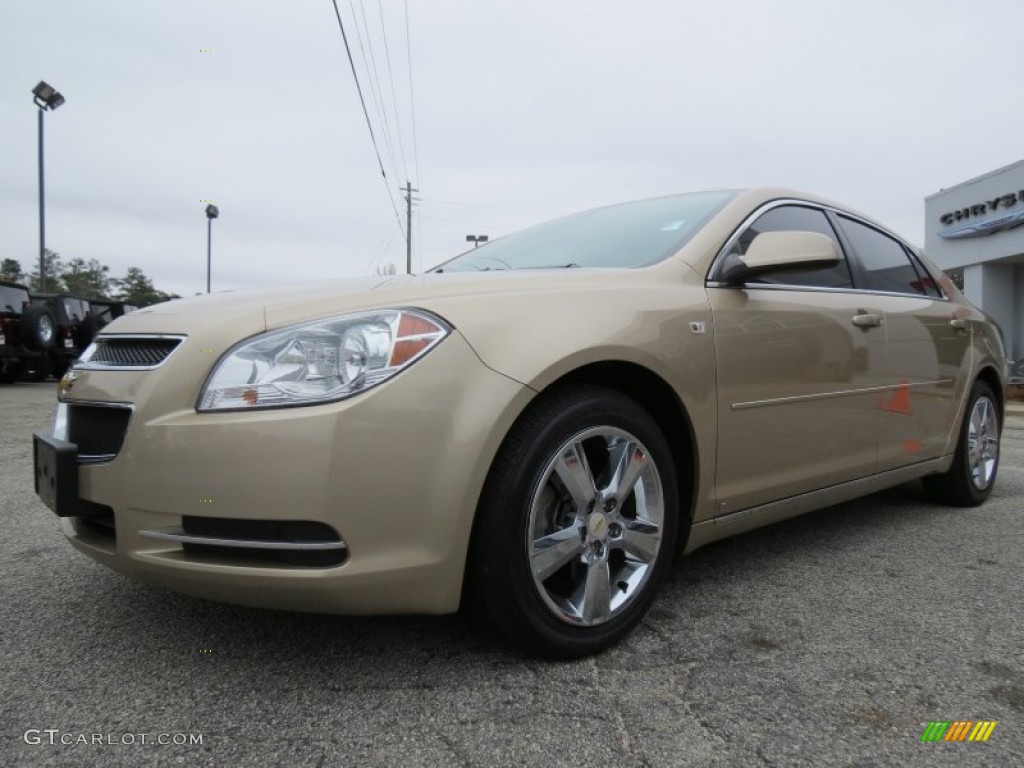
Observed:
{"x":979,"y":228}
{"x":66,"y":383}
{"x":964,"y":222}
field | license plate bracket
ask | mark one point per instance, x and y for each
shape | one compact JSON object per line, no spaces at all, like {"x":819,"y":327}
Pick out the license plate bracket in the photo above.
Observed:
{"x":56,"y":474}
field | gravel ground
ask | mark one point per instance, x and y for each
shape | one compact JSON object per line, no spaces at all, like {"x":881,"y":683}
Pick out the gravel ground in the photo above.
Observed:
{"x":829,"y":640}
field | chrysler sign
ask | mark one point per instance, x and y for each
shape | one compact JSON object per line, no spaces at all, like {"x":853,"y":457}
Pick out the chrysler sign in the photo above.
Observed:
{"x":976,"y":220}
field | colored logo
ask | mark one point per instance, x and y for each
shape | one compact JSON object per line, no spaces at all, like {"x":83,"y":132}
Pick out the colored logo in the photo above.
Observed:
{"x":958,"y":730}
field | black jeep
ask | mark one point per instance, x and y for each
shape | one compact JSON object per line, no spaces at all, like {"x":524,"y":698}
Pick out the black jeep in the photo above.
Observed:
{"x":75,"y":327}
{"x":105,"y":311}
{"x":27,"y":333}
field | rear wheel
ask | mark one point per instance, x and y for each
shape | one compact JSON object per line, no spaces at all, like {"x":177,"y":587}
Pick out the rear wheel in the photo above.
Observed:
{"x":976,"y":461}
{"x":577,"y":524}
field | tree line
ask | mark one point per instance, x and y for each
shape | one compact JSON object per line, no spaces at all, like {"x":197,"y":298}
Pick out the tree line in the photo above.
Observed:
{"x":88,"y":279}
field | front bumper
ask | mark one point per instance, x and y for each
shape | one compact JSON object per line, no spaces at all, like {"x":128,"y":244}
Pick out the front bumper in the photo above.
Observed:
{"x":396,"y":472}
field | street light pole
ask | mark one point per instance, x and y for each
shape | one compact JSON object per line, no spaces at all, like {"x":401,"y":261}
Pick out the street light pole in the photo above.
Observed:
{"x":42,"y":211}
{"x":212,"y":212}
{"x":476,"y":240}
{"x":46,"y":97}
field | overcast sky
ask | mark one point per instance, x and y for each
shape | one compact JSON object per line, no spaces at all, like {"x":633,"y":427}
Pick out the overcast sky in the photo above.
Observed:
{"x":525,"y":110}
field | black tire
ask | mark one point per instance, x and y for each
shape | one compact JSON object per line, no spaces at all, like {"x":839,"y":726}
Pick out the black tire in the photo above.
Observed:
{"x":38,"y":328}
{"x":37,"y":368}
{"x":11,"y":371}
{"x":526,"y":610}
{"x":969,"y":481}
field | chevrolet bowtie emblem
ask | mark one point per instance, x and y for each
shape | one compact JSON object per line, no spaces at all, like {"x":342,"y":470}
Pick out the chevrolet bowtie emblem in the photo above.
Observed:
{"x":66,"y":383}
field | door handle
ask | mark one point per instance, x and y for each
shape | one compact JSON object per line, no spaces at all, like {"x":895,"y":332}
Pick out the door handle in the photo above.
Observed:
{"x":866,"y":320}
{"x":960,"y":323}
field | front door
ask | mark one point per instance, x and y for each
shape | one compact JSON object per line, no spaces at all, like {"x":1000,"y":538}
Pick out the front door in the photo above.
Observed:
{"x":798,"y":386}
{"x":800,"y":361}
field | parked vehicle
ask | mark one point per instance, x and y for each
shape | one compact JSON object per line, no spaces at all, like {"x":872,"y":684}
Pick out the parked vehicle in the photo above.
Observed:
{"x":537,"y":426}
{"x":74,"y":330}
{"x":26,"y":332}
{"x":106,"y":311}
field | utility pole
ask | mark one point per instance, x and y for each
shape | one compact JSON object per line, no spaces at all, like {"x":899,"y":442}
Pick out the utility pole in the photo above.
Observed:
{"x":408,"y":225}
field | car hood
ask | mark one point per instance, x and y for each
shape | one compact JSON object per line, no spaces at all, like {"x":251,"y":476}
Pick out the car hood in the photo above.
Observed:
{"x":530,"y":325}
{"x":257,"y":310}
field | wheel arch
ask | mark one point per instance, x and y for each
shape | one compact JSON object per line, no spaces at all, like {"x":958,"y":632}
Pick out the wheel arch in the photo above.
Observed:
{"x":990,"y":376}
{"x":656,"y":396}
{"x":652,"y":393}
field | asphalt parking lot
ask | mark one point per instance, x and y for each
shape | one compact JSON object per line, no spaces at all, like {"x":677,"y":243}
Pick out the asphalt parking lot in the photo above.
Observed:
{"x":829,"y":640}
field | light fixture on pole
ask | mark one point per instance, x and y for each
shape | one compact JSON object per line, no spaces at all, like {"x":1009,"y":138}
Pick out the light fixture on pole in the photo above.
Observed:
{"x":476,"y":240}
{"x":212,"y":212}
{"x":46,"y":97}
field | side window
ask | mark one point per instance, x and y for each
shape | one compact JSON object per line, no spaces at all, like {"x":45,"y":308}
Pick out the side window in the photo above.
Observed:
{"x":885,"y":263}
{"x":928,"y":285}
{"x":800,"y":219}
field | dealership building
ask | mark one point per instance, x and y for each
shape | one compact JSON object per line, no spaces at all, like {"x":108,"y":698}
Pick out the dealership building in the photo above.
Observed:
{"x":977,"y":227}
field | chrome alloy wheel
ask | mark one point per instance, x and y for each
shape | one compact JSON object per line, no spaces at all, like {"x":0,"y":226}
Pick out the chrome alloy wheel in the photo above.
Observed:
{"x":595,"y":527}
{"x":982,"y":442}
{"x":45,"y":329}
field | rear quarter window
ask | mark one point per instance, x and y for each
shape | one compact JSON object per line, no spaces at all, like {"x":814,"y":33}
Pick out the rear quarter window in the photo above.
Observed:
{"x":12,"y":299}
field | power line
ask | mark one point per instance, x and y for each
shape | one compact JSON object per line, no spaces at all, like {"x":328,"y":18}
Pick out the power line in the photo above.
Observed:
{"x":376,"y":93}
{"x":391,"y":79}
{"x":366,"y":114}
{"x":412,"y":100}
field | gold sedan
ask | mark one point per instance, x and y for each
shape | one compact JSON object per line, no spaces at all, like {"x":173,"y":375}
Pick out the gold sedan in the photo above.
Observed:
{"x":536,"y":426}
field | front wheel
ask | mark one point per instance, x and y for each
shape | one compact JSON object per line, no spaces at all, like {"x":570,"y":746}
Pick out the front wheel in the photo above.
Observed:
{"x":577,"y":524}
{"x":969,"y":481}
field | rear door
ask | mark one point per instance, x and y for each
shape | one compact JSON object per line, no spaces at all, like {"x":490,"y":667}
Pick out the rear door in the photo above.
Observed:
{"x":799,"y":361}
{"x":927,"y":362}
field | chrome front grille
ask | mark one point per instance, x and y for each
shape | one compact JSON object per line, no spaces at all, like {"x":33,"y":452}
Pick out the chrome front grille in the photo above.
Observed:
{"x":132,"y":352}
{"x":97,"y":430}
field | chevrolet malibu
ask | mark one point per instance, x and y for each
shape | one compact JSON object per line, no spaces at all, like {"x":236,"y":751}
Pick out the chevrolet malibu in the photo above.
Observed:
{"x":536,"y":427}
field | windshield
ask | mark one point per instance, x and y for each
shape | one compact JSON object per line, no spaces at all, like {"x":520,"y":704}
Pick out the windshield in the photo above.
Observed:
{"x":625,"y":235}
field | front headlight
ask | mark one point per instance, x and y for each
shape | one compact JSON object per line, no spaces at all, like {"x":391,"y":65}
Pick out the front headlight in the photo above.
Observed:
{"x":320,"y":361}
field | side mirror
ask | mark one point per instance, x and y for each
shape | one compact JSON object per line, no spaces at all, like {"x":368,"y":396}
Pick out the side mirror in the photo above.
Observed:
{"x":779,"y":251}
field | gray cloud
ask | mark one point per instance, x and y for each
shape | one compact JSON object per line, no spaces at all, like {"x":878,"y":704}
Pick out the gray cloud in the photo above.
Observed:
{"x":525,"y":110}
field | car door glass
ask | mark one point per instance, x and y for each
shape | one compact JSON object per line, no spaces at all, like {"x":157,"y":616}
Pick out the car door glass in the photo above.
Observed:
{"x":884,"y":263}
{"x":801,"y":219}
{"x":929,"y":286}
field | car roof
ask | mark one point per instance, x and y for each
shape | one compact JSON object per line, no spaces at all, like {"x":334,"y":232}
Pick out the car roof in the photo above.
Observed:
{"x":60,"y":296}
